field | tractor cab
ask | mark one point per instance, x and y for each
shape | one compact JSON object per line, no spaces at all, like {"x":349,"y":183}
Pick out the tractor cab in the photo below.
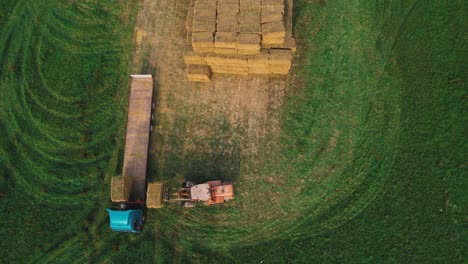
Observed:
{"x":126,"y":220}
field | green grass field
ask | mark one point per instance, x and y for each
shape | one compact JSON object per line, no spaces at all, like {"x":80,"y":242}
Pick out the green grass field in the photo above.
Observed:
{"x":369,"y":166}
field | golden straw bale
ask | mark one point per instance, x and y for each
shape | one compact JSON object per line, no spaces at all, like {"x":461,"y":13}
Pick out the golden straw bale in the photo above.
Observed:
{"x":272,"y":2}
{"x":205,"y":15}
{"x":273,"y":8}
{"x":289,"y":43}
{"x":251,"y":28}
{"x":278,"y":69}
{"x":248,"y":41}
{"x":250,"y":17}
{"x":259,"y":70}
{"x":227,"y":7}
{"x":226,"y":40}
{"x":203,"y":49}
{"x":200,"y":73}
{"x":280,"y":54}
{"x":273,"y":30}
{"x":271,"y":17}
{"x":202,"y":39}
{"x":154,"y":195}
{"x":204,"y":26}
{"x":250,"y":5}
{"x":228,"y":26}
{"x":247,"y":52}
{"x":272,"y":42}
{"x":225,"y":51}
{"x":120,"y":188}
{"x":190,"y":57}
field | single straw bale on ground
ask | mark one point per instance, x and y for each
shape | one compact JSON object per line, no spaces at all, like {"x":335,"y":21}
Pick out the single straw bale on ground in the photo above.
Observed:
{"x":120,"y":188}
{"x":199,"y":73}
{"x":154,"y":195}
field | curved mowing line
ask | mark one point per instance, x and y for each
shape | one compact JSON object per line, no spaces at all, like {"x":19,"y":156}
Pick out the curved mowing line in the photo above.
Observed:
{"x":40,"y":76}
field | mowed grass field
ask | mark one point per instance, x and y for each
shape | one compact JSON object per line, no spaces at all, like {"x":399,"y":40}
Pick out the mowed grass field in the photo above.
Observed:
{"x":368,"y":167}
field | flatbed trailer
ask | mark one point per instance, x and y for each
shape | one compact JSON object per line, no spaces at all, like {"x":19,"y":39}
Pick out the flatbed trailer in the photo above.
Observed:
{"x":137,"y":137}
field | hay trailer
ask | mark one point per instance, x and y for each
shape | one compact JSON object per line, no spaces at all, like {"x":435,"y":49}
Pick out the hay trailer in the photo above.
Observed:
{"x":128,"y":191}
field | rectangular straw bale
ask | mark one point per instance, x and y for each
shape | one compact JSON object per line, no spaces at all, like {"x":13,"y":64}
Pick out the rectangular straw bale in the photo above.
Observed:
{"x":221,"y":2}
{"x":154,"y":195}
{"x":259,"y":70}
{"x":204,"y":26}
{"x":251,"y":28}
{"x":201,"y":73}
{"x":227,"y":7}
{"x":203,"y":49}
{"x":274,"y":42}
{"x":227,"y":60}
{"x":228,"y":26}
{"x":225,"y":50}
{"x":205,"y":5}
{"x":272,"y":2}
{"x":191,"y":57}
{"x":273,"y":30}
{"x":250,"y":17}
{"x":271,"y":17}
{"x":249,"y":41}
{"x":226,"y":40}
{"x":240,"y":71}
{"x":228,"y":16}
{"x":120,"y":188}
{"x":289,"y":43}
{"x":278,"y":69}
{"x":250,"y":5}
{"x":247,"y":52}
{"x":202,"y":39}
{"x":280,"y":54}
{"x":205,"y":15}
{"x":273,"y":8}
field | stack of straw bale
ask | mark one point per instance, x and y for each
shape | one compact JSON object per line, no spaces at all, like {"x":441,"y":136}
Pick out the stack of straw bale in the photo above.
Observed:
{"x":239,"y":37}
{"x":204,"y":25}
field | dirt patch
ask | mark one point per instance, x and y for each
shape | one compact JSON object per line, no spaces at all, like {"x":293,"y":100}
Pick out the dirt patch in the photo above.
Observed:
{"x":230,"y":116}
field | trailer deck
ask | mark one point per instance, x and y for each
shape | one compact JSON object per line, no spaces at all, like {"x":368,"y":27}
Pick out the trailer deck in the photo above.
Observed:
{"x":137,"y":137}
